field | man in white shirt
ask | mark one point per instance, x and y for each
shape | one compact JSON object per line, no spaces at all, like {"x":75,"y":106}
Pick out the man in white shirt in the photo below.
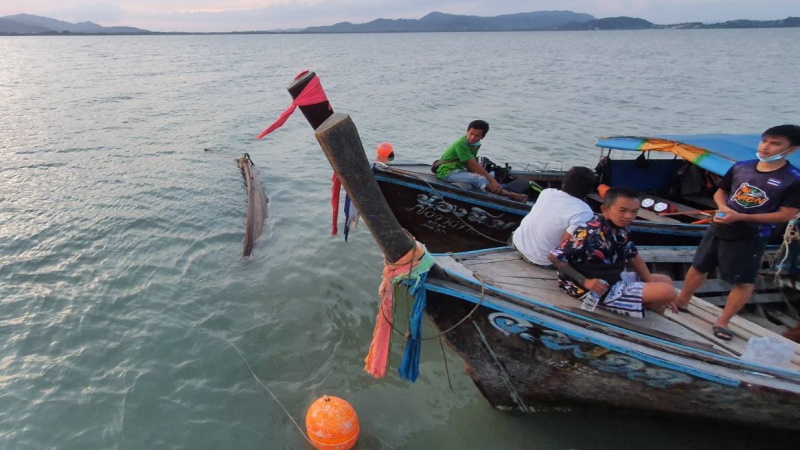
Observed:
{"x":554,"y":216}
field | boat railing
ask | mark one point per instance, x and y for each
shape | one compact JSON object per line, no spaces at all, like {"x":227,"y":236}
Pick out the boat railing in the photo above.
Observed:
{"x":552,"y":166}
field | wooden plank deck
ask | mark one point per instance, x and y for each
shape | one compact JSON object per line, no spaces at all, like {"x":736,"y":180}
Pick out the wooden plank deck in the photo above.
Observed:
{"x":506,"y":270}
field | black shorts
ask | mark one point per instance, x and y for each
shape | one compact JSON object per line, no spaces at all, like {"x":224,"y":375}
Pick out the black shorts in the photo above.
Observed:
{"x":738,"y":260}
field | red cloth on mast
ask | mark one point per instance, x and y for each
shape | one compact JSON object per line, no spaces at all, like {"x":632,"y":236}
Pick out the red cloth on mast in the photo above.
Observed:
{"x":335,"y":190}
{"x":311,"y":95}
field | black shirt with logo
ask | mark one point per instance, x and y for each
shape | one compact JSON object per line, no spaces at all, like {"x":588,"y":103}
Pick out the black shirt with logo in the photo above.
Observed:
{"x":751,"y":191}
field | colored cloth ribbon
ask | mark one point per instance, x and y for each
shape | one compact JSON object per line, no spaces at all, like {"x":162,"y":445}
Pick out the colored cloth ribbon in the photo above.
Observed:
{"x":411,"y":267}
{"x":350,"y":216}
{"x":336,"y":189}
{"x":409,"y":366}
{"x":311,"y":95}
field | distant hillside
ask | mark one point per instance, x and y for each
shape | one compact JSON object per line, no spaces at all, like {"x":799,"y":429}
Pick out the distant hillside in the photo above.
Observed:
{"x":610,"y":23}
{"x":437,"y":21}
{"x":29,"y":24}
{"x":11,"y":26}
{"x":789,"y":22}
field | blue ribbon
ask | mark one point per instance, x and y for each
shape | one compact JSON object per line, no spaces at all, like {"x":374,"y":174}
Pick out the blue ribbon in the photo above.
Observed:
{"x":409,"y":367}
{"x":346,"y":216}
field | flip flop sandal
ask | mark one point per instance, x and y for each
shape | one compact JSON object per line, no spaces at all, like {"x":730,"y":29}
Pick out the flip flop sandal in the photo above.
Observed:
{"x":722,"y":333}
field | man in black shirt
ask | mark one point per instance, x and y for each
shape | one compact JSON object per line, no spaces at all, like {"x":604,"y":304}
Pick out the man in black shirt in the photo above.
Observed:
{"x":752,"y":197}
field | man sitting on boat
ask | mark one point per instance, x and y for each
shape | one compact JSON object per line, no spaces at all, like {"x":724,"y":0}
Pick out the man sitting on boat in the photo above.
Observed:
{"x":554,"y":216}
{"x":458,"y":164}
{"x":752,"y":197}
{"x":593,"y":258}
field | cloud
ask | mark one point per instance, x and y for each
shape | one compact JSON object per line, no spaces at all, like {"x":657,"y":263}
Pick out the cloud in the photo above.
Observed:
{"x":102,"y":13}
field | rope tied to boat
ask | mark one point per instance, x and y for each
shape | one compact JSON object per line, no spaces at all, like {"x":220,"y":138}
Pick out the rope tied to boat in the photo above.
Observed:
{"x":412,"y":269}
{"x":791,"y":237}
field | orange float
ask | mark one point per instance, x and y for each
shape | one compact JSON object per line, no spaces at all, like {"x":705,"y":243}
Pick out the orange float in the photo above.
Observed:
{"x":602,"y":189}
{"x":385,"y":151}
{"x":332,"y":424}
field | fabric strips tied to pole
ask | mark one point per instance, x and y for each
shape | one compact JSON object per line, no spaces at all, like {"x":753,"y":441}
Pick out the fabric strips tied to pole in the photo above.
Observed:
{"x":311,"y":95}
{"x":336,"y":189}
{"x":350,"y":216}
{"x":350,"y":211}
{"x":412,"y":268}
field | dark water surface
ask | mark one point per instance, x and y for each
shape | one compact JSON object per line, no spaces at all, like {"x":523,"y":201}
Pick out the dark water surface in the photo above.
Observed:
{"x":124,"y":300}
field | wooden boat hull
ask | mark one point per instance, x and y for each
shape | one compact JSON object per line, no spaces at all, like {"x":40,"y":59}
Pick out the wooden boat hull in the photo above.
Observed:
{"x":533,"y":362}
{"x":447,"y":218}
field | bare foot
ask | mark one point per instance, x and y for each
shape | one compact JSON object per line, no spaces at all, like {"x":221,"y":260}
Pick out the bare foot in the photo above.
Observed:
{"x":522,"y":198}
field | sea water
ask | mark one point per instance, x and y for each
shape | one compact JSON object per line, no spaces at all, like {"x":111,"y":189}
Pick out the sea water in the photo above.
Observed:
{"x":129,"y":319}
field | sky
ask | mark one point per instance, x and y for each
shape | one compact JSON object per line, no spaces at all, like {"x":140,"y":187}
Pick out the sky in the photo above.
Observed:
{"x":246,"y":15}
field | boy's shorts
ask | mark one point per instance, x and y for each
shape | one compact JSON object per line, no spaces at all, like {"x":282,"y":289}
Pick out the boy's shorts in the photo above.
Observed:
{"x":738,"y":261}
{"x":477,"y":182}
{"x":625,"y":296}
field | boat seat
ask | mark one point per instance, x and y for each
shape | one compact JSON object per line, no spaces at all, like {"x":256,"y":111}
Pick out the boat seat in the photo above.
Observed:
{"x":643,"y":213}
{"x":679,"y":207}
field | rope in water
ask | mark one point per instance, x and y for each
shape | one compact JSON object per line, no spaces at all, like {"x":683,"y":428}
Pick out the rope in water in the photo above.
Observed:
{"x":269,"y":391}
{"x":277,"y":400}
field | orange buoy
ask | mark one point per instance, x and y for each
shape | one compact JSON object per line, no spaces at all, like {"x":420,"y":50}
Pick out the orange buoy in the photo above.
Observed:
{"x":601,"y":190}
{"x":385,"y":151}
{"x":332,"y":424}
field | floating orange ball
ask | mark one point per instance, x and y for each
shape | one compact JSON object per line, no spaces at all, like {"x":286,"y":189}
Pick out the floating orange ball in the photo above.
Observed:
{"x":385,"y":150}
{"x":332,"y":424}
{"x":602,"y":189}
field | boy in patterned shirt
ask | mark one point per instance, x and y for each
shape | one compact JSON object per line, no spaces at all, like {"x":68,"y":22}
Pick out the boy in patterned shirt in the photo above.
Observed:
{"x":594,"y":258}
{"x":752,"y":197}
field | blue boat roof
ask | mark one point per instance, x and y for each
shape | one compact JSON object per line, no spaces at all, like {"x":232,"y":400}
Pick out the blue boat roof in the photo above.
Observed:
{"x":713,"y":152}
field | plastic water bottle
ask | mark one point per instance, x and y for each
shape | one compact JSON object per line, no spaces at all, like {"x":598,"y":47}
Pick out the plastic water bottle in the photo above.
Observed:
{"x":591,"y":299}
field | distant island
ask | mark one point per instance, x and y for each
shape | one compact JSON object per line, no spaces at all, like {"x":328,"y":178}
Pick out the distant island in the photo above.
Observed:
{"x":26,"y":24}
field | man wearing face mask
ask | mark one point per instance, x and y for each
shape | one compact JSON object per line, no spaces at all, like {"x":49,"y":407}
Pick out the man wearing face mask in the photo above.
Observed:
{"x":752,"y":198}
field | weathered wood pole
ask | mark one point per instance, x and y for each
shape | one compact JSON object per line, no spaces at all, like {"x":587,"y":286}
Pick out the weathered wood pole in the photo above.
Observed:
{"x":339,"y":139}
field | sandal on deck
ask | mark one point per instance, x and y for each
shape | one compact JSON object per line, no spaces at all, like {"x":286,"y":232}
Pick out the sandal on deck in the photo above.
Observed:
{"x":722,"y":333}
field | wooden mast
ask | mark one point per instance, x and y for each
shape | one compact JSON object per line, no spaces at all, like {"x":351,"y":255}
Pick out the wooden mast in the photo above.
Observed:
{"x":339,"y":139}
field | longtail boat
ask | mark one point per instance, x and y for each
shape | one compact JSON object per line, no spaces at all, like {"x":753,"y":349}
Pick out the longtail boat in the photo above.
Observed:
{"x":447,"y":217}
{"x":529,"y":347}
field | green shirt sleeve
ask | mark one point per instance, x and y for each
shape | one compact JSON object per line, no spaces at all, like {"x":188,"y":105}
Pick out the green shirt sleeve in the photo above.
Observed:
{"x":460,"y":151}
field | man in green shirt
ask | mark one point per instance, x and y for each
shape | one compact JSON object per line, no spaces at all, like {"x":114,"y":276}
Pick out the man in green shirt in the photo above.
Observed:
{"x":459,"y":163}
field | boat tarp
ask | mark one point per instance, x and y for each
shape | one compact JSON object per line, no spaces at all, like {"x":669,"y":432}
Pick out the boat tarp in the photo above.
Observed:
{"x":713,"y":152}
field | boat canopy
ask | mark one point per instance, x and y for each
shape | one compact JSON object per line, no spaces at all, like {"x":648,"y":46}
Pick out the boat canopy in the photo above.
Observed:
{"x":713,"y":152}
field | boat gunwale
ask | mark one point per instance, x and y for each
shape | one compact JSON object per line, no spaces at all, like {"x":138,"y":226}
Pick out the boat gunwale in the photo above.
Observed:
{"x":671,"y":347}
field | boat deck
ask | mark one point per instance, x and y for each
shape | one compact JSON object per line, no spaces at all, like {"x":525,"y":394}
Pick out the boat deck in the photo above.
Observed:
{"x":504,"y":269}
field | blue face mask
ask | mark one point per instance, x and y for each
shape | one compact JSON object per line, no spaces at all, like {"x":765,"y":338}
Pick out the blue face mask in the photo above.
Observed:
{"x":772,"y":158}
{"x":475,"y":144}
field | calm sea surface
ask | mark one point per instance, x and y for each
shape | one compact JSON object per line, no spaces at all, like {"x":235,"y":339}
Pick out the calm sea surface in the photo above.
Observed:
{"x":129,"y":319}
